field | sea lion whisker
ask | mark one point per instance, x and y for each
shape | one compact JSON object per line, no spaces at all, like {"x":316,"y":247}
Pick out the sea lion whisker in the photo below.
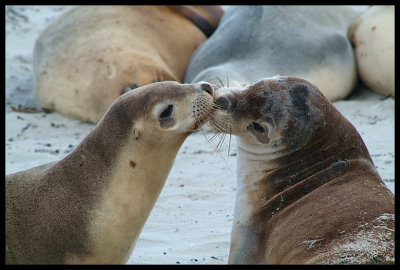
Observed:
{"x":230,"y":138}
{"x":216,"y":106}
{"x":220,"y":143}
{"x":214,"y":124}
{"x":216,"y":147}
{"x":215,"y":135}
{"x":216,"y":86}
{"x":220,"y":136}
{"x":217,"y":82}
{"x":220,"y":81}
{"x":210,"y":141}
{"x":203,"y":119}
{"x":218,"y":126}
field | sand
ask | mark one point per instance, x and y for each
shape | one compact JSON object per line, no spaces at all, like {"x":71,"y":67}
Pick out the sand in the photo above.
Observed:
{"x":191,"y":221}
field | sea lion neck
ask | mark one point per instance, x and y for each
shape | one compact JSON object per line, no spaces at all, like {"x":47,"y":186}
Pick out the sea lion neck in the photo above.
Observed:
{"x":277,"y":186}
{"x":107,"y":138}
{"x":98,"y":152}
{"x":288,"y":170}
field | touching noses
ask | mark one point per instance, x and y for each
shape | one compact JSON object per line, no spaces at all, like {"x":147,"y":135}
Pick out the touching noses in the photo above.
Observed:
{"x":223,"y":103}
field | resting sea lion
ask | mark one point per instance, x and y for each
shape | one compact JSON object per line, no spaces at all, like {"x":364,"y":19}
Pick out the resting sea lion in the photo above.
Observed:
{"x":253,"y":42}
{"x":372,"y":35}
{"x":308,"y":191}
{"x":90,"y":207}
{"x":91,"y":55}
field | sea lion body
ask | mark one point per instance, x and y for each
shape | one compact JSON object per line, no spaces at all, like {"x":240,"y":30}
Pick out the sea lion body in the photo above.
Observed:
{"x":91,"y":55}
{"x":308,"y":191}
{"x":253,"y":42}
{"x":90,"y":206}
{"x":372,"y":35}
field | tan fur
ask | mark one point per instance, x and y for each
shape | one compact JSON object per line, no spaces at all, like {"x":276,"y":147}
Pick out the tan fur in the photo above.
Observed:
{"x":326,"y":78}
{"x":372,"y":35}
{"x":308,"y":191}
{"x":90,"y":207}
{"x":91,"y":55}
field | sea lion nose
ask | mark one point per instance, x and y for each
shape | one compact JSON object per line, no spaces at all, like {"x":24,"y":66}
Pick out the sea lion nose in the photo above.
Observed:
{"x":223,"y":103}
{"x":207,"y":87}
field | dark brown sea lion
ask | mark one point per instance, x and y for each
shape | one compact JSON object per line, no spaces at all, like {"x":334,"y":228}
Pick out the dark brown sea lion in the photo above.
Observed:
{"x":308,"y":191}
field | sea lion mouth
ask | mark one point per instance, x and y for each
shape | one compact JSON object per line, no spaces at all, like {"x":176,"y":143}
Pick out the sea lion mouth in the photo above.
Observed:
{"x":198,"y":124}
{"x":203,"y":106}
{"x":223,"y":103}
{"x":200,"y":121}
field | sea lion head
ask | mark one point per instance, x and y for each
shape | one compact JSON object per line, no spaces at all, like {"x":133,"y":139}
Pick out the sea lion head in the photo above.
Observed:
{"x":160,"y":112}
{"x":181,"y":107}
{"x":273,"y":112}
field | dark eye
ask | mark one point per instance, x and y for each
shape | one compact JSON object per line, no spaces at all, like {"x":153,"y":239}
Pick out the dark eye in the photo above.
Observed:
{"x":167,"y":112}
{"x":258,"y":127}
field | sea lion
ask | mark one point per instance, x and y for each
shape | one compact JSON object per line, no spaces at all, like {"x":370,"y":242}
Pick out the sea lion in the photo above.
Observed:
{"x":308,"y":191}
{"x":253,"y":42}
{"x":91,"y":55}
{"x":90,"y":207}
{"x":372,"y":35}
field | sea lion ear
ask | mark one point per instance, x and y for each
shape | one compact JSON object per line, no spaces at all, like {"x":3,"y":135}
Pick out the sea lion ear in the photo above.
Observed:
{"x":136,"y":134}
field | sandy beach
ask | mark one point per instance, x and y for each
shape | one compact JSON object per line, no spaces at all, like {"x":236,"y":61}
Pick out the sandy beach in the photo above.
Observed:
{"x":191,"y":221}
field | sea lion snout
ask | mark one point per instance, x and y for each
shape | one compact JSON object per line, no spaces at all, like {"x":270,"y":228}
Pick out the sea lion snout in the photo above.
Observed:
{"x":223,"y":103}
{"x":208,"y":88}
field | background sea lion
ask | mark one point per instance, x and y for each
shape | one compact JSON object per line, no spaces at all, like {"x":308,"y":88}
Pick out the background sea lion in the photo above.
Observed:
{"x":253,"y":42}
{"x":91,"y":55}
{"x":308,"y":190}
{"x":372,"y":35}
{"x":90,"y":206}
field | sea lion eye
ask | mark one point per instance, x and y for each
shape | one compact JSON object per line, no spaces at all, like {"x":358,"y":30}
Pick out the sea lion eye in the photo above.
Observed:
{"x":258,"y":127}
{"x":166,"y":119}
{"x":167,"y":112}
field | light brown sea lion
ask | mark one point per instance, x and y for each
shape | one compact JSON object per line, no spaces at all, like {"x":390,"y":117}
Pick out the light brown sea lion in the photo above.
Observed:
{"x":372,"y":35}
{"x":308,"y":191}
{"x":90,"y":207}
{"x":91,"y":55}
